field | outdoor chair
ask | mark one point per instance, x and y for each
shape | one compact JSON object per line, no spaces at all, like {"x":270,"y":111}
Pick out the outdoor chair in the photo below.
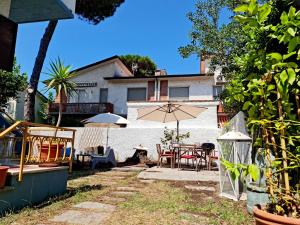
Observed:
{"x":188,"y":152}
{"x":107,"y":158}
{"x":165,"y":154}
{"x":209,"y":149}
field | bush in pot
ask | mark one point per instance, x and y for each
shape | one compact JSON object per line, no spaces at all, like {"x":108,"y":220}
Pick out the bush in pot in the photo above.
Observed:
{"x":268,"y":86}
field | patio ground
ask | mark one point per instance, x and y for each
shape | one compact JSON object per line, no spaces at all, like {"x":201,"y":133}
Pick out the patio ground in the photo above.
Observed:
{"x":120,"y":197}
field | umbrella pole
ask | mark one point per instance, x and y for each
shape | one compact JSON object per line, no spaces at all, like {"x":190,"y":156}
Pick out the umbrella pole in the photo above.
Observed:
{"x":107,"y":136}
{"x":177,"y":131}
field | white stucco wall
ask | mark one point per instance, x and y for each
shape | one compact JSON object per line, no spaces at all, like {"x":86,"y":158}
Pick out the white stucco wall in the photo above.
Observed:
{"x":123,"y":140}
{"x":201,"y":89}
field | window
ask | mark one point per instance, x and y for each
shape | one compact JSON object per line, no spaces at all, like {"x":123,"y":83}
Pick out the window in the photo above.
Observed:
{"x":179,"y":93}
{"x":103,"y":95}
{"x":217,"y":90}
{"x":136,"y":94}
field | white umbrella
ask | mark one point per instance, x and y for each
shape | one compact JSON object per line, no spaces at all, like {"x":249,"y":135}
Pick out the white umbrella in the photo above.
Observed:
{"x":107,"y":118}
{"x":170,"y":112}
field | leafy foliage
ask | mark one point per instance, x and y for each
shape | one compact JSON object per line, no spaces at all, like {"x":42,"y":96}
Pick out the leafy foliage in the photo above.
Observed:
{"x":210,"y":38}
{"x":145,"y":66}
{"x":96,"y":11}
{"x":171,"y":136}
{"x":11,"y":83}
{"x":268,"y":87}
{"x":59,"y":80}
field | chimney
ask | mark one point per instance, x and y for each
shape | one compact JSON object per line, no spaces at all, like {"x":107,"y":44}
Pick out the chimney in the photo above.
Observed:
{"x":204,"y":61}
{"x":160,"y":72}
{"x":202,"y":65}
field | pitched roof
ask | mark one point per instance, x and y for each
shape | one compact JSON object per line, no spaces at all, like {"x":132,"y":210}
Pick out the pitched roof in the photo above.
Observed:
{"x":161,"y":77}
{"x":98,"y":63}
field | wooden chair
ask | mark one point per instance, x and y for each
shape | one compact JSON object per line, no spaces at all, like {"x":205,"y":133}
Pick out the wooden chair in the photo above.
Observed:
{"x":188,"y":152}
{"x":165,"y":154}
{"x":209,"y":148}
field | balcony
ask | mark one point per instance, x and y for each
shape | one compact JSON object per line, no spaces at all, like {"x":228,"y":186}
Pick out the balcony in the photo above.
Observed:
{"x":81,"y":108}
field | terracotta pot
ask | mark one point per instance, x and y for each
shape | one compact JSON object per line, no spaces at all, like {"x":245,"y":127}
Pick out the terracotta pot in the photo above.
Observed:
{"x":264,"y":218}
{"x":3,"y":174}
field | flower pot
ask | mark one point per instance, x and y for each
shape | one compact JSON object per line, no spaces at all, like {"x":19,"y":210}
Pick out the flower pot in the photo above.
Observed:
{"x":256,"y":195}
{"x":3,"y":174}
{"x":264,"y":218}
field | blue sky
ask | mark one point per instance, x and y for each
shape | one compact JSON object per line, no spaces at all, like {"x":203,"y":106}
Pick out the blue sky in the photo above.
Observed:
{"x":154,"y":28}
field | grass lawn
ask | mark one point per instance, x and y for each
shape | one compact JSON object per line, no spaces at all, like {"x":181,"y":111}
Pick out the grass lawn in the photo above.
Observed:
{"x":160,"y":202}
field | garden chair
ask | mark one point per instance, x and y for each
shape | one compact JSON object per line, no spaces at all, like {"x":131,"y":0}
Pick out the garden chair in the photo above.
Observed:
{"x":107,"y":158}
{"x":188,"y":152}
{"x":165,"y":154}
{"x":209,"y":149}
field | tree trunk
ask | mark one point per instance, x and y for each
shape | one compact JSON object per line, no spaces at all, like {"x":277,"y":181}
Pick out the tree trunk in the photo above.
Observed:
{"x":60,"y":109}
{"x":36,"y":72}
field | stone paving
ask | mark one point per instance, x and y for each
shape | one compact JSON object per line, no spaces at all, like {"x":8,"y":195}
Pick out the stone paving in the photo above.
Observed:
{"x":98,"y":211}
{"x":156,"y":173}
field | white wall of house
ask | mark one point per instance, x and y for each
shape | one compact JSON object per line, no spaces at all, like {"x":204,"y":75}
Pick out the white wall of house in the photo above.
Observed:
{"x":200,"y":89}
{"x":95,"y":75}
{"x":123,"y":140}
{"x":16,"y":107}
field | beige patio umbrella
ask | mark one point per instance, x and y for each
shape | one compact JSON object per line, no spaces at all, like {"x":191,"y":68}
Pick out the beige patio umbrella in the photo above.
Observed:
{"x":170,"y":112}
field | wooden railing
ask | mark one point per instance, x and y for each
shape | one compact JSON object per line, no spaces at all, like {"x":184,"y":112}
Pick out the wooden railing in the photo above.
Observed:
{"x":36,"y":144}
{"x":81,"y":108}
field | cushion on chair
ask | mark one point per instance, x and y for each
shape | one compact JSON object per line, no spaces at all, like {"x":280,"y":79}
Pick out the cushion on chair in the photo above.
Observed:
{"x":187,"y":156}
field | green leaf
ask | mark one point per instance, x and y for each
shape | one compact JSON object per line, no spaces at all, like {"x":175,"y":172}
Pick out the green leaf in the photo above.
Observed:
{"x":254,"y":171}
{"x":283,"y":76}
{"x":286,"y":56}
{"x":292,"y":12}
{"x":247,"y":105}
{"x":271,"y":87}
{"x":293,"y":43}
{"x":264,"y":12}
{"x":241,"y":8}
{"x":291,"y":76}
{"x":275,"y":55}
{"x":284,"y":18}
{"x":291,"y":31}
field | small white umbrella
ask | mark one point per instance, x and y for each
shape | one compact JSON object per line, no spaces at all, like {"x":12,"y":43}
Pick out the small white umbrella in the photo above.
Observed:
{"x":107,"y":118}
{"x":170,"y":112}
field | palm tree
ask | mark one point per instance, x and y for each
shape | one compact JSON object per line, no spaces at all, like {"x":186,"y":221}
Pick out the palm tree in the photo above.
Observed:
{"x":59,"y":80}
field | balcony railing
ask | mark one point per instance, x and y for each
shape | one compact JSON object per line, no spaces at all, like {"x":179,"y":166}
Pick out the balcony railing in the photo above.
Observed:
{"x":81,"y":108}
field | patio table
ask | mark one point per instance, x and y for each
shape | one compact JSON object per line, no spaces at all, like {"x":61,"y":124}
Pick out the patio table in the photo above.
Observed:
{"x":201,"y":153}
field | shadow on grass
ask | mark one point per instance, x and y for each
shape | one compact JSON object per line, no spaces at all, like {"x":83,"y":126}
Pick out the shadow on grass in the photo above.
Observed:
{"x":70,"y":193}
{"x":84,"y":173}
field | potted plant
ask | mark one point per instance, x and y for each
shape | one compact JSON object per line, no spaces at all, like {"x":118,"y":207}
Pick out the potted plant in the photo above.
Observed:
{"x":267,"y":87}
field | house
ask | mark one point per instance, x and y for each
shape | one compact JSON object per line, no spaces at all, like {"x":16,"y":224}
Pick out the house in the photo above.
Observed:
{"x":15,"y":108}
{"x":109,"y":86}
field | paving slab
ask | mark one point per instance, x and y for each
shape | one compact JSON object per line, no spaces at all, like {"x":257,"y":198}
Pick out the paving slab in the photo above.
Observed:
{"x":170,"y":174}
{"x":147,"y":181}
{"x":96,"y":206}
{"x":123,"y":193}
{"x":199,"y":188}
{"x":81,"y":217}
{"x":127,"y":189}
